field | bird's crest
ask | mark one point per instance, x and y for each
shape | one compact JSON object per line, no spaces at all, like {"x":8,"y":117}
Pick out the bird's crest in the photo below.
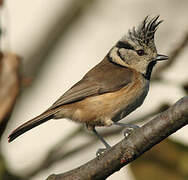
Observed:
{"x":144,"y":34}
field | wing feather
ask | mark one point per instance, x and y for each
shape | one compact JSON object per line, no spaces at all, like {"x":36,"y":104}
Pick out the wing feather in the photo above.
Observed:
{"x":104,"y":77}
{"x":76,"y":93}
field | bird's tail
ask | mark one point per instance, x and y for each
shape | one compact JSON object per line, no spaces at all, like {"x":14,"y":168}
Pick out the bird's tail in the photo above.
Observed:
{"x":47,"y":115}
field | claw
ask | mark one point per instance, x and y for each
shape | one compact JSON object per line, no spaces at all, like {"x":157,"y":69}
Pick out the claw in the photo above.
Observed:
{"x":128,"y":132}
{"x":100,"y":151}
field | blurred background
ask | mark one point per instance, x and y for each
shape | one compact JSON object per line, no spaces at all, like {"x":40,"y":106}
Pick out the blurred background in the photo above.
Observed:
{"x":52,"y":44}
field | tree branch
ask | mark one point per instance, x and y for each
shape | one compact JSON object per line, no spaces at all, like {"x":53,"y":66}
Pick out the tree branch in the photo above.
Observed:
{"x":57,"y":153}
{"x":133,"y":146}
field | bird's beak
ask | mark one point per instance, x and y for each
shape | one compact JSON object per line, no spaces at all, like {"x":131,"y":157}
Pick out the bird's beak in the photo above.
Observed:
{"x":161,"y":57}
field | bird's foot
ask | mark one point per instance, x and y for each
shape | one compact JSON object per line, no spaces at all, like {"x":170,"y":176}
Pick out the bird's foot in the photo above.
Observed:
{"x":129,"y":128}
{"x":128,"y":132}
{"x":101,"y":151}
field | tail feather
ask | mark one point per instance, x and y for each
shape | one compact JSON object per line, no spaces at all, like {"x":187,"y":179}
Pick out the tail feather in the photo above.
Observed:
{"x":30,"y":124}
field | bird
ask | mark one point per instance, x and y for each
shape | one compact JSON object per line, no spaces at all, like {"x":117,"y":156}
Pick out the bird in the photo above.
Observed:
{"x":113,"y":88}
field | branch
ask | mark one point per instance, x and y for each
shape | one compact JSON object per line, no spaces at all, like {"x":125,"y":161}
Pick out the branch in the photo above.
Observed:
{"x":57,"y":153}
{"x":133,"y":146}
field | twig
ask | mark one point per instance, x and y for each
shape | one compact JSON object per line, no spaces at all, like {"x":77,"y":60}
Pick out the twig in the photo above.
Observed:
{"x":131,"y":147}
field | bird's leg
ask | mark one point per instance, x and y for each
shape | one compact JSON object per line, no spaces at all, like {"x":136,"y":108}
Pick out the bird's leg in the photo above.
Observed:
{"x":101,"y":151}
{"x":129,"y":128}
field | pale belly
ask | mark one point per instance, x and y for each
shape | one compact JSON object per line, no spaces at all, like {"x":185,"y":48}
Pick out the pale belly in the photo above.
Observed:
{"x":98,"y":110}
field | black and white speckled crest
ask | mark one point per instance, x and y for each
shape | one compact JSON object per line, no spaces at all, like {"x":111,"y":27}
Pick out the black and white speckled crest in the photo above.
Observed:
{"x":145,"y":32}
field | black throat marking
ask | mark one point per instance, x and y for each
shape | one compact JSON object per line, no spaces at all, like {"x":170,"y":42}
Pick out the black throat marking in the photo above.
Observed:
{"x":149,"y":69}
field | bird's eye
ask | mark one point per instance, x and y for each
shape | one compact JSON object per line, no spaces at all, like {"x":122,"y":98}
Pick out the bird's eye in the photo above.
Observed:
{"x":140,"y":52}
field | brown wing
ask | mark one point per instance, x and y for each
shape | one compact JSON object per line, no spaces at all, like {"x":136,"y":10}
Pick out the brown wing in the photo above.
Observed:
{"x":104,"y":77}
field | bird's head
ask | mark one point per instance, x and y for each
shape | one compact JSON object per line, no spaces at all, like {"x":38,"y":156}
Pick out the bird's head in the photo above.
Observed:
{"x":137,"y":48}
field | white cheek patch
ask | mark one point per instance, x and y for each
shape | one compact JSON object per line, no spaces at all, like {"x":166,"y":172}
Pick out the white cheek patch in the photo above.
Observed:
{"x":116,"y":58}
{"x":139,"y":66}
